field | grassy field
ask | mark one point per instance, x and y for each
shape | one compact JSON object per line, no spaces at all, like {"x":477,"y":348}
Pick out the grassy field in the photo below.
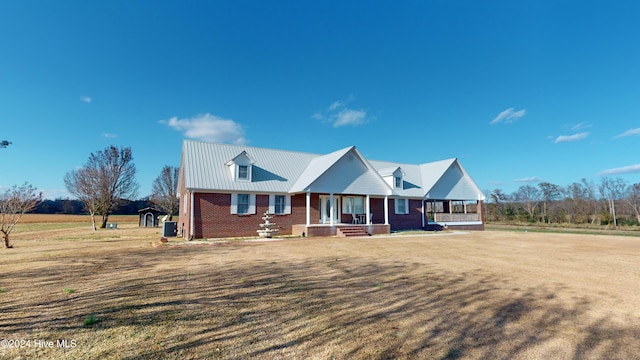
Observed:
{"x":494,"y":295}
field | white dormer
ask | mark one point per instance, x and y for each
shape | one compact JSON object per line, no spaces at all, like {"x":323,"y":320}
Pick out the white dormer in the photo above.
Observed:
{"x":240,"y":167}
{"x":394,"y":177}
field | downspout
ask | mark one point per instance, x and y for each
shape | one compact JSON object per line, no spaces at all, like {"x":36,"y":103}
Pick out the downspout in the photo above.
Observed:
{"x":423,"y":212}
{"x":191,"y":217}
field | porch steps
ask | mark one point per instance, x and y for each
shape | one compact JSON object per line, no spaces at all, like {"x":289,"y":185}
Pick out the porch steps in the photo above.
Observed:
{"x":351,"y":231}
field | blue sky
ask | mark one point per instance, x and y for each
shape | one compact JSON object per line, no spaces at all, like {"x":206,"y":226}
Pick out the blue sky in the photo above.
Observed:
{"x":519,"y":91}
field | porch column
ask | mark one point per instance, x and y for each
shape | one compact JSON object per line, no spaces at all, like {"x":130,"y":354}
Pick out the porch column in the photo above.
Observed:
{"x":423,"y":214}
{"x":367,"y":211}
{"x":331,"y":210}
{"x":308,"y":207}
{"x":386,"y":209}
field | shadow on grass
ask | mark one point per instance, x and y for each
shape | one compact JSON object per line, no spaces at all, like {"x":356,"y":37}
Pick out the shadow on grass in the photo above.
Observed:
{"x":152,"y":304}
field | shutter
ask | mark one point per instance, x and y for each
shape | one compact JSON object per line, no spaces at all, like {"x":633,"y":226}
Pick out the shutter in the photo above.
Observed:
{"x":406,"y":206}
{"x":234,"y":203}
{"x":287,"y":204}
{"x":272,"y":204}
{"x":252,"y":204}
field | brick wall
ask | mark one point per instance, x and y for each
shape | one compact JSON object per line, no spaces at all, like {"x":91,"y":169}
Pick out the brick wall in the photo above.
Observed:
{"x":412,"y":220}
{"x":213,"y":218}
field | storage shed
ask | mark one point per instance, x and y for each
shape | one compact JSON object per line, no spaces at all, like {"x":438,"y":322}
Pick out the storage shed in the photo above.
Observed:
{"x":149,"y":217}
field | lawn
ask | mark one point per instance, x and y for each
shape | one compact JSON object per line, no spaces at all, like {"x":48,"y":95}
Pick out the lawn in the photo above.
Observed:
{"x":496,"y":295}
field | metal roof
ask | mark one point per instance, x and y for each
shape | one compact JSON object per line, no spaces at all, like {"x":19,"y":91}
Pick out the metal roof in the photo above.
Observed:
{"x":204,"y":167}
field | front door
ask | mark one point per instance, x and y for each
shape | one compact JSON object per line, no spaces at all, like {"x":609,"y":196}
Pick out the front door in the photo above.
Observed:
{"x":325,"y":209}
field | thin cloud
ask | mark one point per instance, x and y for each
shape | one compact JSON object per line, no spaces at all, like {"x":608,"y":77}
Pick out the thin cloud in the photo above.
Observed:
{"x":580,"y":126}
{"x":621,"y":170}
{"x":339,"y":114}
{"x":508,"y":116}
{"x":530,"y":179}
{"x":109,"y":135}
{"x":630,"y":132}
{"x":209,"y":127}
{"x":86,"y":99}
{"x":570,"y":138}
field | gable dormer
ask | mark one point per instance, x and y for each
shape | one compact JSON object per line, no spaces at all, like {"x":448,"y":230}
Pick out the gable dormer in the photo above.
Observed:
{"x":394,"y":177}
{"x":240,"y":167}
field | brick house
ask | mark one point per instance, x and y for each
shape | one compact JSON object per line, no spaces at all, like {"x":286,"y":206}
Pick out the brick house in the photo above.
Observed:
{"x":225,"y":189}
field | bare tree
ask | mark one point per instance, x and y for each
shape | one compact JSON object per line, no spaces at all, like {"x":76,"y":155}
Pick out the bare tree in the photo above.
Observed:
{"x":612,"y":190}
{"x":106,"y":178}
{"x":529,"y":196}
{"x":81,"y":183}
{"x":4,"y":144}
{"x":633,"y":199}
{"x":550,"y":192}
{"x":13,"y":204}
{"x":164,"y":192}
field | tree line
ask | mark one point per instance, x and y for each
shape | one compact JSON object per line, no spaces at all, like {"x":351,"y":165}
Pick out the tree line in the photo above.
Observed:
{"x":611,"y":201}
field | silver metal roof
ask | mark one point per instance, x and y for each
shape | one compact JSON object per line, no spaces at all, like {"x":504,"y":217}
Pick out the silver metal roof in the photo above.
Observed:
{"x":205,"y":167}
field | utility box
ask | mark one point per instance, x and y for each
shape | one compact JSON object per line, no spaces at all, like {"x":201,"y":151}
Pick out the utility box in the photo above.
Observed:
{"x":112,"y":226}
{"x":169,"y":228}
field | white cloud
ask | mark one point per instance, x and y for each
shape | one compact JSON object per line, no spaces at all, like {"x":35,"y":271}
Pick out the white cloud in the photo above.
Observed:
{"x":580,"y":126}
{"x":508,"y":116}
{"x":630,"y":132}
{"x":569,"y":138}
{"x":109,"y":135}
{"x":528,"y":179}
{"x":340,"y":115}
{"x":350,"y":117}
{"x":208,"y":127}
{"x":86,"y":99}
{"x":621,"y":170}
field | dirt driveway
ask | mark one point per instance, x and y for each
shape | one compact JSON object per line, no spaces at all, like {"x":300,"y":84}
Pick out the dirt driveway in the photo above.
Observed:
{"x":490,"y":295}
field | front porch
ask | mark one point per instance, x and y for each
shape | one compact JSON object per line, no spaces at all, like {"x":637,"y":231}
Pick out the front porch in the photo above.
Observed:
{"x":323,"y":230}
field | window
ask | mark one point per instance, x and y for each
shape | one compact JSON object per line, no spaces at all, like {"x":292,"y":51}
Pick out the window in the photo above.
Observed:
{"x":243,"y":203}
{"x":402,"y":206}
{"x":184,"y":203}
{"x":279,"y":203}
{"x":398,"y":181}
{"x":353,"y":205}
{"x":243,"y":172}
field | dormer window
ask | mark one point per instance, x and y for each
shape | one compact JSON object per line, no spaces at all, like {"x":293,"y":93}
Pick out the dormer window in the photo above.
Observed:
{"x":398,"y":182}
{"x":240,"y":167}
{"x":243,"y":172}
{"x":393,"y":176}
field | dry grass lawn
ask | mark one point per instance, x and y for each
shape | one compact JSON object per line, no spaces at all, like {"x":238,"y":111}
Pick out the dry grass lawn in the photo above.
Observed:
{"x":478,"y":295}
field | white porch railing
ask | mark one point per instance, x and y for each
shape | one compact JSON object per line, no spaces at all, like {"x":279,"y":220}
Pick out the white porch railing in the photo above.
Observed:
{"x":441,"y":217}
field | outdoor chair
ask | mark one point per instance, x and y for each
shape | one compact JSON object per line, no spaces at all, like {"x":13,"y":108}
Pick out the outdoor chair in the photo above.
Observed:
{"x":355,"y":219}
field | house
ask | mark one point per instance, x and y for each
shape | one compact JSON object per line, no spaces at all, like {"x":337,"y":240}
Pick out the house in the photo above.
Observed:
{"x":225,"y":190}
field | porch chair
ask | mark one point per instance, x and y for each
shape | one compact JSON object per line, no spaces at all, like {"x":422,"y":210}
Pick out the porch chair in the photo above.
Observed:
{"x":355,"y":219}
{"x":370,"y":218}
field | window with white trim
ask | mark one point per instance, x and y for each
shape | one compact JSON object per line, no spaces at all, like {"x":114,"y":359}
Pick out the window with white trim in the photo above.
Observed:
{"x":353,"y":205}
{"x":401,"y":206}
{"x":280,"y":204}
{"x":184,"y":203}
{"x":243,"y":172}
{"x":398,"y":182}
{"x":243,"y":204}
